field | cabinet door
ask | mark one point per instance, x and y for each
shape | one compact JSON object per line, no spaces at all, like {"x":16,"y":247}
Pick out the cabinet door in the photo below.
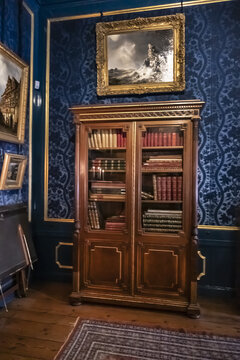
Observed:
{"x":106,"y":205}
{"x":162,"y":234}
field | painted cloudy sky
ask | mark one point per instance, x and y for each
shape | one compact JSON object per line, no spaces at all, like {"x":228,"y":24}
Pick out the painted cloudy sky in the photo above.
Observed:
{"x":7,"y":67}
{"x":129,"y":50}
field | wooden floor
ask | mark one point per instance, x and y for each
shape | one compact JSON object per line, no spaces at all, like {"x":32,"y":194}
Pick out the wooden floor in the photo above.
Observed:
{"x":35,"y":327}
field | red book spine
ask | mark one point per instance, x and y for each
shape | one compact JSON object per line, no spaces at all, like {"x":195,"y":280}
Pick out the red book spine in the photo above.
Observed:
{"x":160,"y":139}
{"x":164,"y":187}
{"x":124,"y":140}
{"x":148,"y":138}
{"x":179,"y":188}
{"x":121,"y":139}
{"x":177,"y":139}
{"x":155,"y":139}
{"x":174,"y":188}
{"x":159,"y":189}
{"x":169,"y":139}
{"x":164,"y":139}
{"x":154,"y":180}
{"x":169,"y":188}
{"x":174,"y":139}
{"x":118,"y":138}
{"x":151,"y":138}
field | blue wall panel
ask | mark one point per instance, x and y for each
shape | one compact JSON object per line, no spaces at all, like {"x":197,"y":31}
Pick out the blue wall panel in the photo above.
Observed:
{"x":212,"y":75}
{"x":15,"y":32}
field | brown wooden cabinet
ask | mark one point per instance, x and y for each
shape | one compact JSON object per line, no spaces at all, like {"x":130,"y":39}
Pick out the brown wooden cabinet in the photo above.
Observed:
{"x":135,"y":241}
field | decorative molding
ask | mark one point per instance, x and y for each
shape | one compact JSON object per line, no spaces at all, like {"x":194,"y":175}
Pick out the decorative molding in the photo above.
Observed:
{"x":56,"y":256}
{"x":30,"y":113}
{"x":215,"y":227}
{"x":139,"y":9}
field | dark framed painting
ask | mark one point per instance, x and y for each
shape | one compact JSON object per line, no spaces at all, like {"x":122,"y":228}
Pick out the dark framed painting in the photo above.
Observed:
{"x":13,"y":96}
{"x":142,"y":55}
{"x":13,"y":170}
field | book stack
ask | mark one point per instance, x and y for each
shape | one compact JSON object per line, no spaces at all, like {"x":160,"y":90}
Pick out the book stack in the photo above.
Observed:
{"x":153,"y":137}
{"x":106,"y":138}
{"x":93,"y":215}
{"x":161,"y":162}
{"x":167,"y":188}
{"x":107,"y":190}
{"x":114,"y":223}
{"x":146,"y":196}
{"x":168,"y":221}
{"x":107,"y":164}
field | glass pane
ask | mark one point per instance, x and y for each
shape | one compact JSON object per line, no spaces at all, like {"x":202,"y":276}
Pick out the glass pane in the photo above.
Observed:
{"x":162,"y":180}
{"x":107,"y":179}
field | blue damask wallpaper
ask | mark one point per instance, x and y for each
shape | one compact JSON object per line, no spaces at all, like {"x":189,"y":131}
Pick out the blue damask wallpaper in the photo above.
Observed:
{"x":212,"y":75}
{"x":15,"y":32}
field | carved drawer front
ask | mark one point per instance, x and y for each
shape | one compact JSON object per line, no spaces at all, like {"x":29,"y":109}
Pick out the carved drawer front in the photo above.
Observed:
{"x":106,"y":266}
{"x":160,"y":269}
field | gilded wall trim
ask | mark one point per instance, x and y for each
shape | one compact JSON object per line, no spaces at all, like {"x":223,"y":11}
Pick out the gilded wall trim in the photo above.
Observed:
{"x":140,"y":9}
{"x":30,"y":113}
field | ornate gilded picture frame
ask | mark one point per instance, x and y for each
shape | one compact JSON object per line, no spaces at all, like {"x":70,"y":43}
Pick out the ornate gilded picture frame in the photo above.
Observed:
{"x":142,"y":55}
{"x":13,"y":170}
{"x":13,"y":96}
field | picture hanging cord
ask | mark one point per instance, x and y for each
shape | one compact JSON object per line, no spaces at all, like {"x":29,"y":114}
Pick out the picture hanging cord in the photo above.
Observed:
{"x":181,"y":6}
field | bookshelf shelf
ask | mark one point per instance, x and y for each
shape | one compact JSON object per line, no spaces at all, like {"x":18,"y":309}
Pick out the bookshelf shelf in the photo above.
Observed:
{"x":162,"y":147}
{"x":135,"y":240}
{"x":161,"y":201}
{"x":109,"y":171}
{"x":162,"y":170}
{"x":108,"y":148}
{"x":99,"y":199}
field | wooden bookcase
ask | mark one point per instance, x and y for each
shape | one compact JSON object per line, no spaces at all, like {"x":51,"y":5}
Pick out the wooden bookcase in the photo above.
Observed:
{"x":135,"y":240}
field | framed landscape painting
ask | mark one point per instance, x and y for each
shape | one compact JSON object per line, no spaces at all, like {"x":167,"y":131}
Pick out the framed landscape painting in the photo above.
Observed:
{"x":142,"y":55}
{"x":13,"y":170}
{"x":13,"y":96}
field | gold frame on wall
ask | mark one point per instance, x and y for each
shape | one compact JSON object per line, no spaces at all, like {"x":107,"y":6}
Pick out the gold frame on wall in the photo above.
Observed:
{"x":14,"y":103}
{"x":128,"y":28}
{"x":19,"y":162}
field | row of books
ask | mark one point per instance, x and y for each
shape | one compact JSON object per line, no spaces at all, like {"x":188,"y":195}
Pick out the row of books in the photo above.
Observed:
{"x":169,"y":221}
{"x":93,"y":215}
{"x":107,"y":190}
{"x":167,"y":188}
{"x":163,"y":162}
{"x":154,"y":137}
{"x":114,"y":223}
{"x":107,"y":164}
{"x":106,"y":138}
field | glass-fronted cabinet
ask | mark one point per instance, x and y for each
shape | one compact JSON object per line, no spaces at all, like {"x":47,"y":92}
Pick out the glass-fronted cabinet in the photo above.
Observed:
{"x":135,"y":241}
{"x":107,"y":179}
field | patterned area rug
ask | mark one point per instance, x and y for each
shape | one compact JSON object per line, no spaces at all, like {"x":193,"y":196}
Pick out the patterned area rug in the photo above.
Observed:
{"x":97,"y":340}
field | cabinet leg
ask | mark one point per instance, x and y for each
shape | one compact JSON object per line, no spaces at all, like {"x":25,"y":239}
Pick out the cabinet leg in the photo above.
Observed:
{"x":193,"y":311}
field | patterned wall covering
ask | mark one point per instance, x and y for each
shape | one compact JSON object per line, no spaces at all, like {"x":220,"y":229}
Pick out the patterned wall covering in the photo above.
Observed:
{"x":15,"y":32}
{"x":212,"y":75}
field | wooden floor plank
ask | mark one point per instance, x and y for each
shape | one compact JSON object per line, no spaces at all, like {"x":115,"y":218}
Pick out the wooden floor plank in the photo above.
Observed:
{"x":36,"y":326}
{"x":28,"y":346}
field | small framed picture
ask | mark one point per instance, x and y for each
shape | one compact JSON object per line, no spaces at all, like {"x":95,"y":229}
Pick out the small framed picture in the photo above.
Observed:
{"x":142,"y":55}
{"x":13,"y":170}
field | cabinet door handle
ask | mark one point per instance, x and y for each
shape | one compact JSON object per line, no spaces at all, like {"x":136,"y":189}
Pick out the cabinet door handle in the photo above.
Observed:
{"x":203,"y":265}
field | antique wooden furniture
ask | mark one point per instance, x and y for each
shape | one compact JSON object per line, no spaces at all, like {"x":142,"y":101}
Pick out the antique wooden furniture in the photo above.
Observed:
{"x":135,"y":241}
